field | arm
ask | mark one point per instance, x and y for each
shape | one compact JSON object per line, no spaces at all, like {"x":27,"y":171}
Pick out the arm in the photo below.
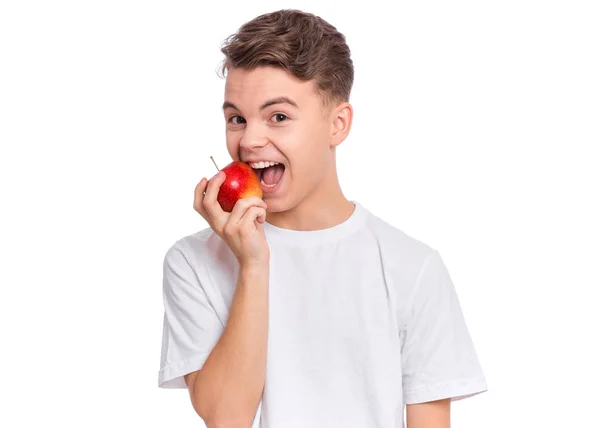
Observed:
{"x":439,"y":361}
{"x":434,"y":414}
{"x":227,"y":390}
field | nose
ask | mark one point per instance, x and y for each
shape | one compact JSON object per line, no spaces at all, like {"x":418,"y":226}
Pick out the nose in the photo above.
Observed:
{"x":253,"y":138}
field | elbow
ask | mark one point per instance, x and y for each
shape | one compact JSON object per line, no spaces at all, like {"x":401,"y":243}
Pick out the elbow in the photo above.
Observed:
{"x":221,"y":413}
{"x":228,"y":422}
{"x":216,"y":418}
{"x":228,"y":425}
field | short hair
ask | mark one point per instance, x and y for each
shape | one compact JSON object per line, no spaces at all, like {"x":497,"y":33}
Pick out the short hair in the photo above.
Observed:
{"x":305,"y":45}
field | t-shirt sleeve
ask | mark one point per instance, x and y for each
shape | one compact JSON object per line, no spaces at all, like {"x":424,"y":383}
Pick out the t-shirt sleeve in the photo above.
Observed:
{"x":438,"y":357}
{"x":191,"y":327}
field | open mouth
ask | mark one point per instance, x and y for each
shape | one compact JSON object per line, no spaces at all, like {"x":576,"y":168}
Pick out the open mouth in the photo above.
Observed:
{"x":270,"y":173}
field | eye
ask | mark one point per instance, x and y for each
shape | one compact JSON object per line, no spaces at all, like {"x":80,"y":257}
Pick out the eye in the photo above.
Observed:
{"x":236,"y":120}
{"x":279,"y":117}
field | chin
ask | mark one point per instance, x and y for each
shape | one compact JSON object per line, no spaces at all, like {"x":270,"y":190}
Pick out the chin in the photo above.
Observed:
{"x":276,"y":206}
{"x":280,"y":205}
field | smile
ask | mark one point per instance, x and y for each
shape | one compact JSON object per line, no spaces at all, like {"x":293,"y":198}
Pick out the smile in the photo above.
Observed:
{"x":270,"y":174}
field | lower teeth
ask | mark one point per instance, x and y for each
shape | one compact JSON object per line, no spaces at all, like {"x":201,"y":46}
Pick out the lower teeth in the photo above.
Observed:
{"x":268,"y":185}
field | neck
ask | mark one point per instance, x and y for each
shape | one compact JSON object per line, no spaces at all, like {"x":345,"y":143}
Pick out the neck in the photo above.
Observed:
{"x":323,"y":208}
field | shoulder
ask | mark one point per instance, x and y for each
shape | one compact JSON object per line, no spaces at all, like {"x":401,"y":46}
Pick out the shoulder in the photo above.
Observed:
{"x":405,"y":259}
{"x":197,"y":252}
{"x":402,"y":249}
{"x":198,"y":244}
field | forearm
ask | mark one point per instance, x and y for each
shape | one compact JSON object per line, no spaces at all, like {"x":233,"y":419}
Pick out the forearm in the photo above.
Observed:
{"x":230,"y":385}
{"x":434,"y":414}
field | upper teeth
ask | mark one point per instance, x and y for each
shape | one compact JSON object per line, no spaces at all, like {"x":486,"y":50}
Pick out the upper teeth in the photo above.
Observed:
{"x":259,"y":165}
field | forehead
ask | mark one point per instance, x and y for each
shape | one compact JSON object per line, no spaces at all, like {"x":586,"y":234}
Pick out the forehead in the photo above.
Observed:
{"x":252,"y":87}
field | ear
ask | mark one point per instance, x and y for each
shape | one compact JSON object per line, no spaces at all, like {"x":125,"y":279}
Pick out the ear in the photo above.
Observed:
{"x":341,"y":121}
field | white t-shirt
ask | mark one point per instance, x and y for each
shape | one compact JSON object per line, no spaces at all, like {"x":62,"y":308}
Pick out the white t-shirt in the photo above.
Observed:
{"x":363,"y":319}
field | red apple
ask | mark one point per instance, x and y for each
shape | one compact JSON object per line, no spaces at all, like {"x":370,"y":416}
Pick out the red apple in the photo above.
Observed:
{"x":240,"y":182}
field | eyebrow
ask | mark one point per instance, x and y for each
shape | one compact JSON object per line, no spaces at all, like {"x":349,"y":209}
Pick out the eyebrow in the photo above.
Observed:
{"x":273,"y":101}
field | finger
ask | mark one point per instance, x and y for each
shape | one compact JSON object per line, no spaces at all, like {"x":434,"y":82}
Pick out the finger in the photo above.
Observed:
{"x":242,"y":205}
{"x":199,"y":197}
{"x":262,"y":217}
{"x":210,"y":203}
{"x":251,"y":216}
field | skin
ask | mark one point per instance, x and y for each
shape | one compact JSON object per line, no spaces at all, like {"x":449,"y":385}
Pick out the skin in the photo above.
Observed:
{"x":434,"y":414}
{"x":302,"y":137}
{"x":271,"y":115}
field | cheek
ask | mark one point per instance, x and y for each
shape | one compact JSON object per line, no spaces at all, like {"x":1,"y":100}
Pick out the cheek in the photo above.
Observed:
{"x":310,"y":162}
{"x":232,"y":142}
{"x":318,"y":152}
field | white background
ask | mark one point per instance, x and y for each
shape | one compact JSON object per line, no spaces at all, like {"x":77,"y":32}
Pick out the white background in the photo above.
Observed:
{"x":476,"y":130}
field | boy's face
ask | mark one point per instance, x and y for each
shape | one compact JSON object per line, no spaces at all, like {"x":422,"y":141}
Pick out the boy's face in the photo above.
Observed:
{"x":271,"y":116}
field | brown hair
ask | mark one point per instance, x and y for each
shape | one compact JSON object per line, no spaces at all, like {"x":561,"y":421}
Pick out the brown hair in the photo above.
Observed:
{"x":305,"y":45}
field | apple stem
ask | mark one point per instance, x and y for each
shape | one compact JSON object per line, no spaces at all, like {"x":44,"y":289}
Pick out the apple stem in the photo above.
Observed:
{"x":218,"y":169}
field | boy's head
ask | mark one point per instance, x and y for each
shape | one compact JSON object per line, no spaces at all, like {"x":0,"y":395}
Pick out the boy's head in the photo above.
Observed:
{"x":288,"y":82}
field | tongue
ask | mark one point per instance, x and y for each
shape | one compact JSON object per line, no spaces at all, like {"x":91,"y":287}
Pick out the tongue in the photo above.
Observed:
{"x":273,"y":174}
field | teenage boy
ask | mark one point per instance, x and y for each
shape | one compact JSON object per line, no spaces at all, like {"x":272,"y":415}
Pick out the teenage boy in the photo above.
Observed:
{"x":304,"y":300}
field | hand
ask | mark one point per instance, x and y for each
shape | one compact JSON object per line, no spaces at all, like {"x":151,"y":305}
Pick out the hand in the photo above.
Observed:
{"x":242,"y":228}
